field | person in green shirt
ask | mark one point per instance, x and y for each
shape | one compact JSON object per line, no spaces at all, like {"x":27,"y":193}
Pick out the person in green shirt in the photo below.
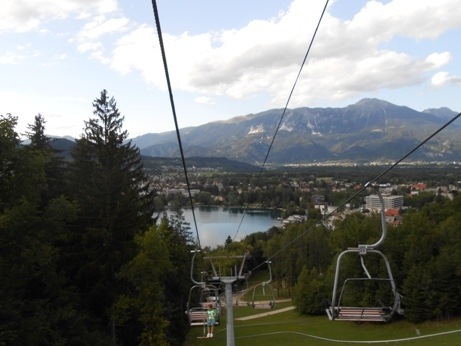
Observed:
{"x":211,"y":320}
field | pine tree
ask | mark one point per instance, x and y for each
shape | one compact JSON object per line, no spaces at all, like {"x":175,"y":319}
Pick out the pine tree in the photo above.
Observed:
{"x":116,"y":203}
{"x":38,"y":306}
{"x":36,"y":134}
{"x":39,"y":149}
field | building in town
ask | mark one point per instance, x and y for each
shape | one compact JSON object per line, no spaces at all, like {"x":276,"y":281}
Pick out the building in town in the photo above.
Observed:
{"x":390,"y":202}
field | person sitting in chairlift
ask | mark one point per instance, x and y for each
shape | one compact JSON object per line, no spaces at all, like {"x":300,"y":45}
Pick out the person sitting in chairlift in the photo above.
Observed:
{"x":211,"y":320}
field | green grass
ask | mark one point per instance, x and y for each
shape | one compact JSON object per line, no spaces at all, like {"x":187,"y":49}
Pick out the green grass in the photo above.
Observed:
{"x":260,"y":293}
{"x":288,"y":328}
{"x":256,"y":290}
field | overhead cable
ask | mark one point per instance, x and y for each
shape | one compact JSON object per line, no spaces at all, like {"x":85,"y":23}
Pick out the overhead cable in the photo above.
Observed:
{"x":170,"y":92}
{"x":286,"y":105}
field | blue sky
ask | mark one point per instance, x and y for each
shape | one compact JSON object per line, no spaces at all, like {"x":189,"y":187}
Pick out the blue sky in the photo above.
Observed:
{"x":226,"y":58}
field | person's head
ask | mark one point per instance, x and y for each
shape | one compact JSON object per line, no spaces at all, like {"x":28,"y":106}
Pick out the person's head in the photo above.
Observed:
{"x":210,"y":306}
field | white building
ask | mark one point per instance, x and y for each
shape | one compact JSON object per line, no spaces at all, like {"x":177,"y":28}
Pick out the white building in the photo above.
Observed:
{"x":372,"y":202}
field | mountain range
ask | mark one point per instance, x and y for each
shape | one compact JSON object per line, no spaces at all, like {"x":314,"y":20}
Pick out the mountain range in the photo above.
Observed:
{"x":368,"y":130}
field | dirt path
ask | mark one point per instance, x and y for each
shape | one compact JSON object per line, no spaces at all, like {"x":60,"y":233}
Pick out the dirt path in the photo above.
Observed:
{"x":267,"y":313}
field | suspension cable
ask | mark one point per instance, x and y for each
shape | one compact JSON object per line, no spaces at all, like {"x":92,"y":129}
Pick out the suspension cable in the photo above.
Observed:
{"x":286,"y":105}
{"x":170,"y":92}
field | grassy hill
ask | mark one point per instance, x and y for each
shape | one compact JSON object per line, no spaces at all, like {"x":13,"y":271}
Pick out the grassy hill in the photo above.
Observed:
{"x":288,"y":328}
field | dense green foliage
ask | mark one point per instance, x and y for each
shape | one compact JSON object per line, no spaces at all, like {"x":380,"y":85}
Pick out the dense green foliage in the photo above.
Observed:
{"x":424,"y":253}
{"x":82,"y":260}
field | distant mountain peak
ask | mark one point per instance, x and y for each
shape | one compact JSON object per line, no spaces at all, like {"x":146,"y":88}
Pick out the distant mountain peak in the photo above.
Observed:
{"x":442,"y":112}
{"x":368,"y":103}
{"x":371,"y":129}
{"x":374,"y":101}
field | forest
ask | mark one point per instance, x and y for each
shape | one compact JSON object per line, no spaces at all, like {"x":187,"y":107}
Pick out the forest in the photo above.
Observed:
{"x":83,"y":262}
{"x":423,"y":252}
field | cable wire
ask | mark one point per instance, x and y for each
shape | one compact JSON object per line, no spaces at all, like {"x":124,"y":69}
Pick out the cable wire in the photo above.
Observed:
{"x":170,"y":92}
{"x":286,"y":104}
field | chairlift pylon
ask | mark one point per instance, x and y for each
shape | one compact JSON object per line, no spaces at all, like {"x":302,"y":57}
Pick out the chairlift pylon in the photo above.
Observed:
{"x":337,"y":312}
{"x":228,"y":280}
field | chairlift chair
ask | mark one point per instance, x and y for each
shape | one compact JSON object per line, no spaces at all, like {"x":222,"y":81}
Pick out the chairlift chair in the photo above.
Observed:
{"x":379,"y":313}
{"x":197,"y":314}
{"x":209,"y":295}
{"x":270,"y":304}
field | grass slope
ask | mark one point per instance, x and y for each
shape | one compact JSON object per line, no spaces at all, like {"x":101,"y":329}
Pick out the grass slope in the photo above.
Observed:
{"x":288,"y":328}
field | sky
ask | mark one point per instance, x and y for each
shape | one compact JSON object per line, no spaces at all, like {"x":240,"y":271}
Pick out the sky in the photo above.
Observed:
{"x":225,"y":58}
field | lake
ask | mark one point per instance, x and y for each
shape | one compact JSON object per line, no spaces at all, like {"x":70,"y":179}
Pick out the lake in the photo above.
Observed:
{"x":215,"y":224}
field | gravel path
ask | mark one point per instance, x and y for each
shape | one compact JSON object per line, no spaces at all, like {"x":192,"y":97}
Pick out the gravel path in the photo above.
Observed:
{"x":268,"y":313}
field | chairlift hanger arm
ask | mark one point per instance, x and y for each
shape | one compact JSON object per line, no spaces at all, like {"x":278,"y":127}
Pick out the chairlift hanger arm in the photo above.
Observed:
{"x":270,"y":272}
{"x":365,"y":247}
{"x":192,"y":269}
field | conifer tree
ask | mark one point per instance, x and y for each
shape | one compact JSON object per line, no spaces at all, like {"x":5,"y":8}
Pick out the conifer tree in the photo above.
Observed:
{"x":116,"y":203}
{"x":38,"y":306}
{"x":36,"y":134}
{"x":40,"y":149}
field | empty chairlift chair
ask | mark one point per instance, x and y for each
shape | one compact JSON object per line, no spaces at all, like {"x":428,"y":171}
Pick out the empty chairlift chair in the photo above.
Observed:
{"x":267,"y":292}
{"x":380,"y":312}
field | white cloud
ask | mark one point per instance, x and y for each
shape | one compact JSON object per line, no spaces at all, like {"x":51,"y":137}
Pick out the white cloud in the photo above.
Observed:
{"x":91,"y":37}
{"x":264,"y":56}
{"x":348,"y":57}
{"x":9,"y":58}
{"x":205,"y":100}
{"x":137,"y":50}
{"x":424,"y":19}
{"x":101,"y":26}
{"x":441,"y":79}
{"x":27,"y":15}
{"x":439,"y":59}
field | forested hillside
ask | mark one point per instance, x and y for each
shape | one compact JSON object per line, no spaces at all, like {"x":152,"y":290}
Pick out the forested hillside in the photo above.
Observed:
{"x":423,"y":251}
{"x":82,"y":261}
{"x":424,"y":254}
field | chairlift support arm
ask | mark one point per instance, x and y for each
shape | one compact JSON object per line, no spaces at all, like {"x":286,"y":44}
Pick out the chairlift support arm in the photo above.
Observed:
{"x":192,"y":269}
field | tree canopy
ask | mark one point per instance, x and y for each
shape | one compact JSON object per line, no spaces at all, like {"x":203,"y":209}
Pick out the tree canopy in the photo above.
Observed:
{"x":83,"y":261}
